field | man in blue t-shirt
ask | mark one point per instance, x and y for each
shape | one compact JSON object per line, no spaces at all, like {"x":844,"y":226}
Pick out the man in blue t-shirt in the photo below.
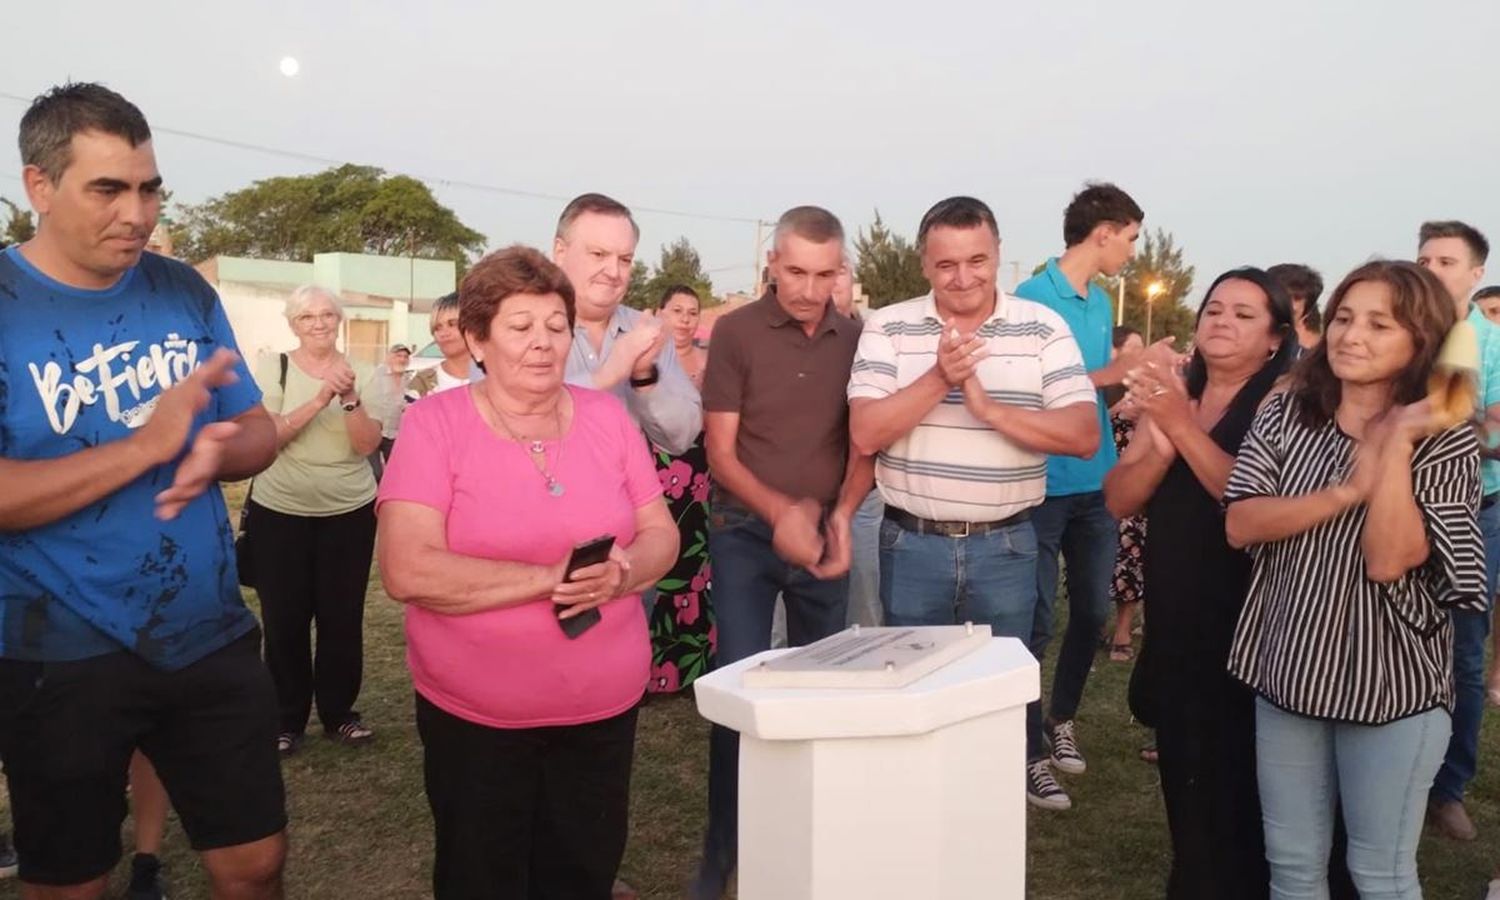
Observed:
{"x":1100,"y":228}
{"x":1456,"y":252}
{"x":122,"y":404}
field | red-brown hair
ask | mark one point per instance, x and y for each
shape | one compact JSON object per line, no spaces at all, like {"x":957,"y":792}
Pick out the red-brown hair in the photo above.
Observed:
{"x":517,"y":269}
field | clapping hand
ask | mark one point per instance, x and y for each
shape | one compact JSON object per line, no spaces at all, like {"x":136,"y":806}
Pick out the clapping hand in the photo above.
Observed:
{"x":958,"y":357}
{"x":1158,"y":391}
{"x":171,"y":420}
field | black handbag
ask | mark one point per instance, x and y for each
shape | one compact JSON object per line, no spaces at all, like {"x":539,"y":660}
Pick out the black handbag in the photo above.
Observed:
{"x":244,"y":544}
{"x":244,"y":558}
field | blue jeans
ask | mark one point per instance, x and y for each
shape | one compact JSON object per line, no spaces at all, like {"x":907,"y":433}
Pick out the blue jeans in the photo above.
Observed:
{"x":748,"y":575}
{"x":1471,"y":631}
{"x":864,"y":575}
{"x":928,"y":579}
{"x":1079,"y":529}
{"x":1379,"y":775}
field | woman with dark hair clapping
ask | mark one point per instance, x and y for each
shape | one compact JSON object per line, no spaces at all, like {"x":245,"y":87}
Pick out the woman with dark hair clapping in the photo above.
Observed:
{"x":1360,"y":509}
{"x":1174,"y":472}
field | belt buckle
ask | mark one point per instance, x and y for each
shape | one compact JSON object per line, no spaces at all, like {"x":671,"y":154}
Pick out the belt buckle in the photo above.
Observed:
{"x":962,"y":534}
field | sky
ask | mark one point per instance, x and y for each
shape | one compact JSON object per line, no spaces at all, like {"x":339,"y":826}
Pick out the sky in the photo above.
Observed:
{"x":1315,"y":132}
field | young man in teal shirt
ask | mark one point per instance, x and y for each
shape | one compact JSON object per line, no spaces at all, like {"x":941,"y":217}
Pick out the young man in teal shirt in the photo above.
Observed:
{"x":1100,"y":228}
{"x":1456,"y":252}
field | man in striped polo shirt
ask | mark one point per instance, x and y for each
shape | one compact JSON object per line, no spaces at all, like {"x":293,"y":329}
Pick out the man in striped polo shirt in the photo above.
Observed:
{"x":961,"y":394}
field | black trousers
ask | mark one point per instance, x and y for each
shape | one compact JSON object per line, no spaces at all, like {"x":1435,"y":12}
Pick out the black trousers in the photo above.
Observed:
{"x":313,"y":570}
{"x":526,"y":813}
{"x":1206,"y":755}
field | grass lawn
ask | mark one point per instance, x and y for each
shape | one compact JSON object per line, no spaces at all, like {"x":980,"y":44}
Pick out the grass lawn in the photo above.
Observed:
{"x":360,"y":827}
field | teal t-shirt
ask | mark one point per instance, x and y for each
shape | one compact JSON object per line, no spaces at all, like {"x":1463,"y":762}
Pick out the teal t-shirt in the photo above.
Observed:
{"x":1092,"y":322}
{"x":1489,"y":383}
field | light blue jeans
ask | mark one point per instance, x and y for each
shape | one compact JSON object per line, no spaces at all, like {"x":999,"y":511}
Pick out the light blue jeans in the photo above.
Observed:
{"x":1379,"y":774}
{"x":864,"y":575}
{"x":928,"y":579}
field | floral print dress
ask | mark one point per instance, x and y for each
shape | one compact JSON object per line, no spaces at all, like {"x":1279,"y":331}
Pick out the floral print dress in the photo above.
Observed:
{"x":1129,"y":584}
{"x":683,"y":634}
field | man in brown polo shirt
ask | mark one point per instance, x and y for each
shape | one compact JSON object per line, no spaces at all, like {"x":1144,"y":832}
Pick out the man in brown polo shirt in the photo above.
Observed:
{"x":777,"y":424}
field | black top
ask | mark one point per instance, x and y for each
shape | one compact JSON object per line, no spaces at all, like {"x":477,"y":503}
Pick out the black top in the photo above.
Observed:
{"x":1195,"y":582}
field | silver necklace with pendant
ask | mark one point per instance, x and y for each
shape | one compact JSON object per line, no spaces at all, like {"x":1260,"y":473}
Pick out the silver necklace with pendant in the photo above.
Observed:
{"x":537,"y":448}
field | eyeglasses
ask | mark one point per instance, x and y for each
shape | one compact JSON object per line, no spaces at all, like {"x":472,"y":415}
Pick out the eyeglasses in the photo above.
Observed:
{"x":326,"y":318}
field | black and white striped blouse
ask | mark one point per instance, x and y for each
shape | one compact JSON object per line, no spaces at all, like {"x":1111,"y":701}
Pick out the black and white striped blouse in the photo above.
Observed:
{"x":1316,"y":636}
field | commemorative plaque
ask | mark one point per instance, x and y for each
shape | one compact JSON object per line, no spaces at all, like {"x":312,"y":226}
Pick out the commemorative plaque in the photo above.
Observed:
{"x":889,"y":657}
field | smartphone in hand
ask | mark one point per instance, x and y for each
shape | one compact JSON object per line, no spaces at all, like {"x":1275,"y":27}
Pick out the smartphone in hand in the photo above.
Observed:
{"x":588,"y":553}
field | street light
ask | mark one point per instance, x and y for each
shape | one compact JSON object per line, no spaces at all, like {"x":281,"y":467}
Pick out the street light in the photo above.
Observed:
{"x":1153,"y":290}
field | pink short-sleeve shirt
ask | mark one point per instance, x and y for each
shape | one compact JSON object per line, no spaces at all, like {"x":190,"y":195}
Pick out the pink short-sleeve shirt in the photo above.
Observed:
{"x":513,"y":667}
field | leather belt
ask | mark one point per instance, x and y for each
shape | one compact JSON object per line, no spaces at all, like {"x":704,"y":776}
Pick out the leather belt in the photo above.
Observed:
{"x":951,"y":529}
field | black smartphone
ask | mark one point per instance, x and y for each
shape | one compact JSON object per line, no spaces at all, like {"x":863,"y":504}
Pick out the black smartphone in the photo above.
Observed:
{"x":588,"y":553}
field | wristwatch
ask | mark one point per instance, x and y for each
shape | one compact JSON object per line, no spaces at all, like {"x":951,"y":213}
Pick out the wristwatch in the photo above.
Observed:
{"x":649,"y":380}
{"x":350,"y":406}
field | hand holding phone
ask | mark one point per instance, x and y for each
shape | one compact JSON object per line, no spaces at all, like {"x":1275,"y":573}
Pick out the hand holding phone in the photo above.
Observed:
{"x":586,"y":555}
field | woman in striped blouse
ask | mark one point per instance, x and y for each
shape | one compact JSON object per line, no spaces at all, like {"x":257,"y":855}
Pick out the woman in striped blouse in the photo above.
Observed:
{"x":1361,"y":518}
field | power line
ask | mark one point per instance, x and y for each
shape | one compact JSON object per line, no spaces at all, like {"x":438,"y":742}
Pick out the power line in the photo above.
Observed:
{"x":447,"y":182}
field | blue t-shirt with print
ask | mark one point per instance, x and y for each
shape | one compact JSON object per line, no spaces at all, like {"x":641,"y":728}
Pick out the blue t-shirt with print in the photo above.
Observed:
{"x":81,"y":369}
{"x":1092,"y":322}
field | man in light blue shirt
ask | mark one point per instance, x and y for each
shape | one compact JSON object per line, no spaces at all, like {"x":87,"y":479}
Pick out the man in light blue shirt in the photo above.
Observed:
{"x":1100,"y":228}
{"x":616,"y":348}
{"x":1456,"y":253}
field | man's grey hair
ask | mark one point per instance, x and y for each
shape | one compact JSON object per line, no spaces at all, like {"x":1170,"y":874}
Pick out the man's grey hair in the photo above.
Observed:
{"x":598,"y":204}
{"x":811,"y":223}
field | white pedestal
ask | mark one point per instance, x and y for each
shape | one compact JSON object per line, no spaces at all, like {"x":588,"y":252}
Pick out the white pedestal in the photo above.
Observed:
{"x":901,"y":793}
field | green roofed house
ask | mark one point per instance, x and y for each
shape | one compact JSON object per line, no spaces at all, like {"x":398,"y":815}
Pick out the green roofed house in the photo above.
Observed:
{"x":387,"y":299}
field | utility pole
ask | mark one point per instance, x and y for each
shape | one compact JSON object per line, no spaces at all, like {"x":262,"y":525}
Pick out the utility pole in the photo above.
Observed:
{"x":760,"y":266}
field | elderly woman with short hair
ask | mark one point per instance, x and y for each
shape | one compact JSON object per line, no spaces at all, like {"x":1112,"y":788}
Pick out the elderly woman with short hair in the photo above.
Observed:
{"x":312,"y":515}
{"x":528,"y":670}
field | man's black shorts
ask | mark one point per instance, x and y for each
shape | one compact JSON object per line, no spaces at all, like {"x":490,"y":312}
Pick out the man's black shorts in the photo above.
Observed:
{"x":67,"y":730}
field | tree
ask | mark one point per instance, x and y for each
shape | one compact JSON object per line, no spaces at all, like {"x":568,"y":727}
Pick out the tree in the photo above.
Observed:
{"x":20,"y":226}
{"x":638,"y":295}
{"x":888,"y":267}
{"x":1158,"y":260}
{"x":679,"y":264}
{"x":349,"y":209}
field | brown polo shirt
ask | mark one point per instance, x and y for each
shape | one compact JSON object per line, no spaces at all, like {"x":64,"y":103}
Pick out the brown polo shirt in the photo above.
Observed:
{"x":790,"y":391}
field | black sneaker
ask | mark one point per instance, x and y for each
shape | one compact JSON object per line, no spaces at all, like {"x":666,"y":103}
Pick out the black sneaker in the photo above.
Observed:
{"x":1065,"y":754}
{"x":8,"y":859}
{"x":145,"y":878}
{"x":1042,"y":790}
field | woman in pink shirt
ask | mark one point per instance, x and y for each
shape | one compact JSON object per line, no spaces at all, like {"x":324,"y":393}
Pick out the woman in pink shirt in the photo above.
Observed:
{"x":527,"y":733}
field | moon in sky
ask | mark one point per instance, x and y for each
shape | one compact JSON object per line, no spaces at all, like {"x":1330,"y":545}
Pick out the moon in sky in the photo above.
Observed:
{"x":290,"y":67}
